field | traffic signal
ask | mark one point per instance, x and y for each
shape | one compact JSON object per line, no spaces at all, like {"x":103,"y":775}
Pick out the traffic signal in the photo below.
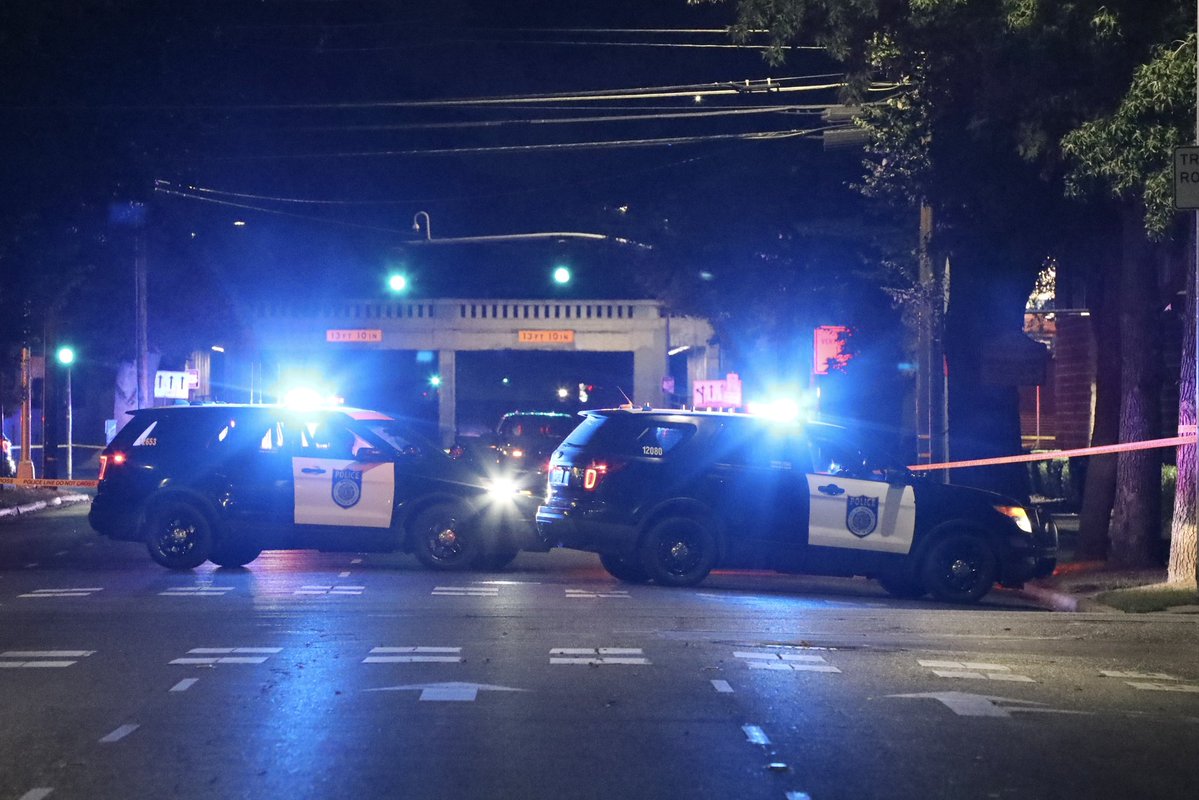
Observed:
{"x":561,"y":275}
{"x":397,"y":283}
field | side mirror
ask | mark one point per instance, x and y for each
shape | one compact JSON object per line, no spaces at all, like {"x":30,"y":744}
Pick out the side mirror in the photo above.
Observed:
{"x":371,"y":454}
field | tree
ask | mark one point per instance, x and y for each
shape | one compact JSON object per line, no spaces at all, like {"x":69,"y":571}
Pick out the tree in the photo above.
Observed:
{"x":1000,"y":83}
{"x":1130,"y":154}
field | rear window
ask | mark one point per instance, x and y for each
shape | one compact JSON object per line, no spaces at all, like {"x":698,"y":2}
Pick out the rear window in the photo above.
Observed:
{"x":630,"y":436}
{"x":534,"y":426}
{"x":586,"y":431}
{"x":174,"y":431}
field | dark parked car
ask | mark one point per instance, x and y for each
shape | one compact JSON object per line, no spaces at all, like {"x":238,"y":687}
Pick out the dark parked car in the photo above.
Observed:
{"x":225,"y":482}
{"x":669,"y":495}
{"x":525,"y":440}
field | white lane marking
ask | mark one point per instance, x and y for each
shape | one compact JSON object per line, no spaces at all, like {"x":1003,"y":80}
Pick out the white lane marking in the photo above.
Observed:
{"x":583,"y":593}
{"x":197,"y":591}
{"x":31,"y":565}
{"x":507,"y":583}
{"x":330,"y":589}
{"x":206,"y":656}
{"x":1163,"y":687}
{"x":44,"y":658}
{"x":184,"y":685}
{"x":974,"y":670}
{"x":356,"y":561}
{"x":722,"y":687}
{"x":414,"y":655}
{"x":37,"y":794}
{"x":755,"y":735}
{"x":119,"y":734}
{"x":66,"y":592}
{"x":62,"y":552}
{"x":598,"y":655}
{"x":1137,"y":676}
{"x":798,"y":796}
{"x":786,"y":662}
{"x":466,"y":591}
{"x":779,"y":656}
{"x":343,"y":574}
{"x":975,"y":665}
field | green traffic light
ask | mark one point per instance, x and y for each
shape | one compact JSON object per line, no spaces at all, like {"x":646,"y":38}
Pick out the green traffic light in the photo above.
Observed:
{"x":561,"y":275}
{"x":66,"y":355}
{"x":397,"y":283}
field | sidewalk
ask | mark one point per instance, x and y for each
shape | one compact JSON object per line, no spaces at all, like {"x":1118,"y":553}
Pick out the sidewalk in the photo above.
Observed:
{"x":1085,"y":586}
{"x":17,"y":500}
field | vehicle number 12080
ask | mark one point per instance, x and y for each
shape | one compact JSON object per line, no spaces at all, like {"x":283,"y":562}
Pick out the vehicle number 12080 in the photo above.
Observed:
{"x":650,"y":450}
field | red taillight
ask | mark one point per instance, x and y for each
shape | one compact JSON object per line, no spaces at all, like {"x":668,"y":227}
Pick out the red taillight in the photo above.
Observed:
{"x":591,"y":476}
{"x":595,"y":474}
{"x":116,"y":459}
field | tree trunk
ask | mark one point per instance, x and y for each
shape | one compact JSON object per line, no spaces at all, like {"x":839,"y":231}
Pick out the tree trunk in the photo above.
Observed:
{"x":1099,"y":489}
{"x":1184,"y":543}
{"x":1136,"y":515}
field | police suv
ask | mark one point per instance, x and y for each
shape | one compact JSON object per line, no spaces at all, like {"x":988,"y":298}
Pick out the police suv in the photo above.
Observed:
{"x":669,"y":495}
{"x":225,"y":482}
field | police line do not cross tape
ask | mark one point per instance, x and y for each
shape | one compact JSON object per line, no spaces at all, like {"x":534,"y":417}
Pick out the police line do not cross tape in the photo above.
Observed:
{"x":47,"y":482}
{"x":1188,"y":438}
{"x":1124,"y":447}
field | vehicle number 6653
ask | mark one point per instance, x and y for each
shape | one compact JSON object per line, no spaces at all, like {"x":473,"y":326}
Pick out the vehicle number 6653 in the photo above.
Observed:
{"x":650,"y":450}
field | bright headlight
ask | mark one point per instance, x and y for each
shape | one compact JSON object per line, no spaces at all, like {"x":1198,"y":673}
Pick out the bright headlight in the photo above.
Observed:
{"x":502,"y":489}
{"x":1018,"y":515}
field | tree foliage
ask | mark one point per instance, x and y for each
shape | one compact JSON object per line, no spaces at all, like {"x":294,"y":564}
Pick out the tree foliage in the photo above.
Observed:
{"x":1130,"y":151}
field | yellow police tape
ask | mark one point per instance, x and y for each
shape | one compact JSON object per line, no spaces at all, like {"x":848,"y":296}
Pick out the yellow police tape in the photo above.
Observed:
{"x":1174,"y":441}
{"x":47,"y":482}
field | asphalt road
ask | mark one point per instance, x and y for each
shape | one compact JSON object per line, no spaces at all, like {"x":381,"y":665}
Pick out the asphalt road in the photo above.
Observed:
{"x":310,"y":675}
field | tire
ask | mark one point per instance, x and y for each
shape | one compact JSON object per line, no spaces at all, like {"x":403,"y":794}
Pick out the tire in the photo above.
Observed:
{"x":496,"y":559}
{"x":902,"y":585}
{"x":960,"y":568}
{"x":234,"y":554}
{"x":623,"y":569}
{"x":178,"y":535}
{"x":678,"y":551}
{"x":439,"y":540}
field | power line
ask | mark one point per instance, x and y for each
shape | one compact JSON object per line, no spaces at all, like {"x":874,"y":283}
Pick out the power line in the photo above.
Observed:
{"x":554,"y":147}
{"x":498,"y":123}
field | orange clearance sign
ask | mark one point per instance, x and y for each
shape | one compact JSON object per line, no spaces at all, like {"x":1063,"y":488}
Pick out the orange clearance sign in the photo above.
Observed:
{"x":545,"y":337}
{"x":354,"y":335}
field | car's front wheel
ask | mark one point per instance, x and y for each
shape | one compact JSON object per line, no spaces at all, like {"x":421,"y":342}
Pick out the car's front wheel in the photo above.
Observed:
{"x":234,"y":554}
{"x":440,"y":539}
{"x":496,"y":559}
{"x":678,"y":551}
{"x":178,"y":535}
{"x":959,"y":568}
{"x":624,"y":569}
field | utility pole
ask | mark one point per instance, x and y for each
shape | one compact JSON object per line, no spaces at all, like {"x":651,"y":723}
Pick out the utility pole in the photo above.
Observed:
{"x":932,"y":391}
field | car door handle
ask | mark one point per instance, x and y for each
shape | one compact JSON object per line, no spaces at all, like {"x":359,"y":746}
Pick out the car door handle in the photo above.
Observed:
{"x":831,"y":489}
{"x":313,"y":471}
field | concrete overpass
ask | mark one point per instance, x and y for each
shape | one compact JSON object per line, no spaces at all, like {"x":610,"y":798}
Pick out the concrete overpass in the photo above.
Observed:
{"x":448,"y":326}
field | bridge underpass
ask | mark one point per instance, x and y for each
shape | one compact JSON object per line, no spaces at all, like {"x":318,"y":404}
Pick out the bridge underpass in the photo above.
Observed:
{"x":448,"y":327}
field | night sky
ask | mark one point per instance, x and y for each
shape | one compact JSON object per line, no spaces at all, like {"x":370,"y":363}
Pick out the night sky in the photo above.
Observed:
{"x":315,"y":124}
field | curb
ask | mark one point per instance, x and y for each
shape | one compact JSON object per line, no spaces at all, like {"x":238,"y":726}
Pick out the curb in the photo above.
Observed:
{"x":1055,"y":600}
{"x":40,"y":505}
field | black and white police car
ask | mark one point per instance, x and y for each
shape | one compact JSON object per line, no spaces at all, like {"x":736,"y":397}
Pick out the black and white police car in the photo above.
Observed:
{"x":669,"y":495}
{"x":225,"y":482}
